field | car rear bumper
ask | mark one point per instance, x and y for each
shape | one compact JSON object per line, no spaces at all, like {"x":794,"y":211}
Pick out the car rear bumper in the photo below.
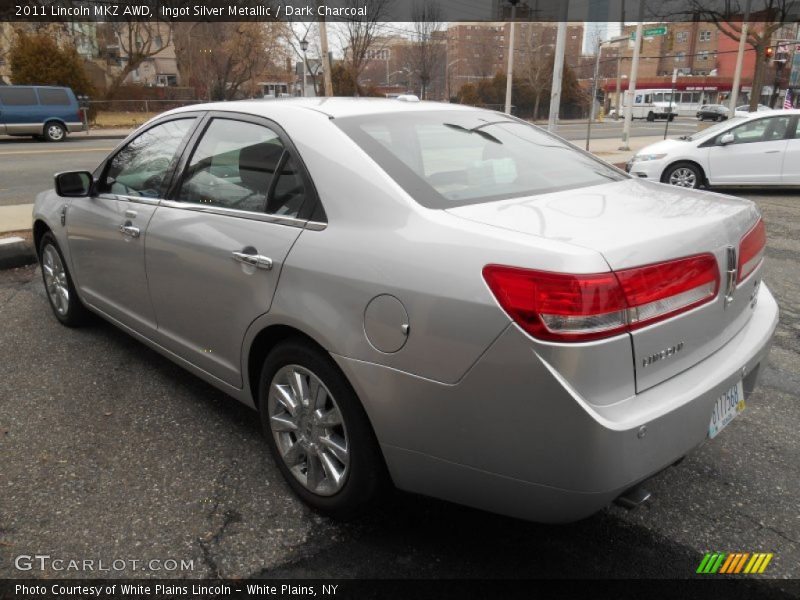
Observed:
{"x":513,"y":437}
{"x":75,"y":127}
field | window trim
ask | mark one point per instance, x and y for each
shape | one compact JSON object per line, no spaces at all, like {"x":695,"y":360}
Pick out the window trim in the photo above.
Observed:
{"x":303,"y":220}
{"x":714,"y":141}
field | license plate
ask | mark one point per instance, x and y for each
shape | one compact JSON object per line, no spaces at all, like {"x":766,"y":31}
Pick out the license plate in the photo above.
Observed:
{"x":726,"y":409}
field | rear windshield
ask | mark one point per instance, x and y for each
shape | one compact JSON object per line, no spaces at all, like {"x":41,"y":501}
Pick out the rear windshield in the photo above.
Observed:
{"x":53,"y":97}
{"x":448,"y":158}
{"x":18,"y":96}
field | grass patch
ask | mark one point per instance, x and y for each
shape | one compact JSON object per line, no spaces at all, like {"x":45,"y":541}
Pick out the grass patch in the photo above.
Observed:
{"x":108,"y":119}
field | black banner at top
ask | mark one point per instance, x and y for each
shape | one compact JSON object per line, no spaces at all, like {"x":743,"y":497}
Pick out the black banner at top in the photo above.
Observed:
{"x":786,"y":11}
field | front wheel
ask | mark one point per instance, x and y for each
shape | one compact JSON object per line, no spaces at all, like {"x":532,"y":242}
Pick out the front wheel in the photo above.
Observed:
{"x":318,"y":431}
{"x":671,"y":118}
{"x":684,"y":175}
{"x":61,"y":293}
{"x":651,"y":116}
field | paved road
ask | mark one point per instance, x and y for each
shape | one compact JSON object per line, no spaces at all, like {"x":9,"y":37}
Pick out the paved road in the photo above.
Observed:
{"x":109,"y":451}
{"x":610,"y":129}
{"x":27,"y":166}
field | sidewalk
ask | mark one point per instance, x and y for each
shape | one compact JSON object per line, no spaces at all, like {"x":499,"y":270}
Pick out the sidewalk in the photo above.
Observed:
{"x":608,"y":149}
{"x":16,"y":217}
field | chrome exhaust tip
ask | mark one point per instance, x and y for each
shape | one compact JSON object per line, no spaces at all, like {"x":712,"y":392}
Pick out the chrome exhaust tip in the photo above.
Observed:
{"x":633,"y":497}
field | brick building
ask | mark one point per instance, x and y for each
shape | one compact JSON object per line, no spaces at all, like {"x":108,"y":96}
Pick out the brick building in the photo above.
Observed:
{"x":478,"y":51}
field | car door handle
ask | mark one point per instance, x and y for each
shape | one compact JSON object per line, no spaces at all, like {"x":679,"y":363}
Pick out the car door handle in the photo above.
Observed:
{"x":129,"y":230}
{"x":255,"y":260}
{"x":772,"y":152}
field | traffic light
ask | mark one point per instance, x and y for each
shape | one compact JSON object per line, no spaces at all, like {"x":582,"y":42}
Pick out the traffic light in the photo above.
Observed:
{"x":769,"y":53}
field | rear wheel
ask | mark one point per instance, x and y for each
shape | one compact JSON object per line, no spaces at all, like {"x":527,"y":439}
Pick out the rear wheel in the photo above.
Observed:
{"x":684,"y":175}
{"x":318,"y":431}
{"x":61,"y":293}
{"x":671,"y":118}
{"x":54,"y":132}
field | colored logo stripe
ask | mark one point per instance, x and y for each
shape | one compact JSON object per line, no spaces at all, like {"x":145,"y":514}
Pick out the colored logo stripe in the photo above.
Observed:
{"x":734,"y":562}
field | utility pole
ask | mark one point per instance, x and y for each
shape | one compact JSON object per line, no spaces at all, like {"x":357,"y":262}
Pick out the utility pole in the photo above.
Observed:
{"x":558,"y":75}
{"x":326,"y":58}
{"x":737,"y":75}
{"x":626,"y":129}
{"x":671,"y":96}
{"x":594,"y":83}
{"x":510,"y":72}
{"x":619,"y":61}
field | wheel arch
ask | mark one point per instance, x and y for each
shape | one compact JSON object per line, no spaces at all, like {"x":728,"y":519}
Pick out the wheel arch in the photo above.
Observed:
{"x":684,"y":161}
{"x":263,"y":342}
{"x":39,"y":229}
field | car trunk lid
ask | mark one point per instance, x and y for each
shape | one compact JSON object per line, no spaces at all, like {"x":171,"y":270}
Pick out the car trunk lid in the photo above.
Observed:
{"x":634,"y":223}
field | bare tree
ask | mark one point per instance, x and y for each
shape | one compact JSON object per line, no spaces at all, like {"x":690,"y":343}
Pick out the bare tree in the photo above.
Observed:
{"x":427,"y":52}
{"x":295,"y":34}
{"x":225,"y":58}
{"x":771,"y":16}
{"x":362,"y":34}
{"x":138,"y":41}
{"x":535,"y":70}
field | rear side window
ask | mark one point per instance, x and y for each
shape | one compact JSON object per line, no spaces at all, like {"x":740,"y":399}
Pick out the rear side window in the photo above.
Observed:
{"x":448,"y":158}
{"x":18,"y":96}
{"x":243,"y":166}
{"x":50,"y":97}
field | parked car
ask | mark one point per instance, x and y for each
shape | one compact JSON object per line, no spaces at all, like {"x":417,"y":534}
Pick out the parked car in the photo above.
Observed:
{"x":759,"y":149}
{"x":744,"y":109}
{"x":713,"y":112}
{"x":46,"y":112}
{"x":433,"y":295}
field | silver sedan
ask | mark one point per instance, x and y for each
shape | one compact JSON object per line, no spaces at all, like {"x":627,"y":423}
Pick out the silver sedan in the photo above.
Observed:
{"x":433,"y":296}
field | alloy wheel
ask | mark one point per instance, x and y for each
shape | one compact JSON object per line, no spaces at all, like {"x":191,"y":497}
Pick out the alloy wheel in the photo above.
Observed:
{"x":55,"y":132}
{"x":55,"y":279}
{"x":683,"y":177}
{"x":309,"y":430}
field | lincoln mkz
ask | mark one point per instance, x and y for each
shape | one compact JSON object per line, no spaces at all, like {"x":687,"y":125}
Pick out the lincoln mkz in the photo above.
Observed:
{"x":438,"y":297}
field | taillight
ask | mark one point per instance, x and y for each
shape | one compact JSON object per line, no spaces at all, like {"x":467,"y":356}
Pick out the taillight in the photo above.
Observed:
{"x":565,"y":307}
{"x":751,"y":250}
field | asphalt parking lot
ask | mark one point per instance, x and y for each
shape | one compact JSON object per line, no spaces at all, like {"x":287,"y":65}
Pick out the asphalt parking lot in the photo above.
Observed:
{"x":111,"y":452}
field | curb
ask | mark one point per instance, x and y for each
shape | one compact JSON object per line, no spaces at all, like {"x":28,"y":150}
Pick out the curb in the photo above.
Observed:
{"x":15,"y":252}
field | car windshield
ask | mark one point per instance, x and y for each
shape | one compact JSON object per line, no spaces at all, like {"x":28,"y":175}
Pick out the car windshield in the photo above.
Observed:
{"x":714,"y":129}
{"x":451,"y":158}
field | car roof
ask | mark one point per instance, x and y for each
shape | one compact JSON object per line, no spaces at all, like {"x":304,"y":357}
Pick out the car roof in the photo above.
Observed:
{"x":769,"y":113}
{"x":334,"y":107}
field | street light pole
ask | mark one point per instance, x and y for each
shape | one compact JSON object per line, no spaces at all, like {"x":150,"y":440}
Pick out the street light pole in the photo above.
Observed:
{"x":737,"y":75}
{"x":304,"y":47}
{"x":510,"y":72}
{"x":594,"y":83}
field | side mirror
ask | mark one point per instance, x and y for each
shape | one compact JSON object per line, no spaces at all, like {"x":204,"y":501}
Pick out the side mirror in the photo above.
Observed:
{"x":726,"y":138}
{"x":74,"y":184}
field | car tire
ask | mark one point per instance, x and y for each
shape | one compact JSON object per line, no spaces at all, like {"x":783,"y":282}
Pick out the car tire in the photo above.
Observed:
{"x":683,"y":174}
{"x":58,"y":284}
{"x":54,"y":132}
{"x":650,"y":116}
{"x":289,"y":376}
{"x":671,"y":118}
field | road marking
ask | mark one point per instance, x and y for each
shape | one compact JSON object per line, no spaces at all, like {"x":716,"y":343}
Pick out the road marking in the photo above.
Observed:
{"x":52,"y":151}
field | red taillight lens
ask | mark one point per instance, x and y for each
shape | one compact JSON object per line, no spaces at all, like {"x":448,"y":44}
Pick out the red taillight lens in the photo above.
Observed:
{"x":564,"y":307}
{"x":751,"y":250}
